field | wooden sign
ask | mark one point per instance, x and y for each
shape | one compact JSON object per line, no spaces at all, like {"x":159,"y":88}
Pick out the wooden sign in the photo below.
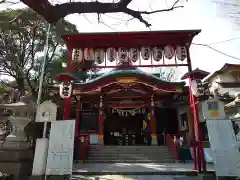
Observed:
{"x":60,"y":151}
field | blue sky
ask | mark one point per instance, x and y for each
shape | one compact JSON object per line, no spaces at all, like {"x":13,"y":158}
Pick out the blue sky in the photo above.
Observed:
{"x":197,"y":14}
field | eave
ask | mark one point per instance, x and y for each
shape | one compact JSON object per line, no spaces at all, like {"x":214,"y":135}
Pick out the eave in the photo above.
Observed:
{"x":130,"y":39}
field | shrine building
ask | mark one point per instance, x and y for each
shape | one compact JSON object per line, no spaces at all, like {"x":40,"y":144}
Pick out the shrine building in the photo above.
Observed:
{"x":121,"y":105}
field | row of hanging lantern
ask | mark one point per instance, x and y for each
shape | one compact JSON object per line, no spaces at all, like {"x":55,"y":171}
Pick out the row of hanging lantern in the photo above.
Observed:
{"x":131,"y":54}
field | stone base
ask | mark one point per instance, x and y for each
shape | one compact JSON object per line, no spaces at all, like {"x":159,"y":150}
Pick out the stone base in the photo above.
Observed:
{"x":207,"y":176}
{"x":19,"y":170}
{"x":14,"y":145}
{"x":15,"y":156}
{"x":37,"y":177}
{"x":52,"y":177}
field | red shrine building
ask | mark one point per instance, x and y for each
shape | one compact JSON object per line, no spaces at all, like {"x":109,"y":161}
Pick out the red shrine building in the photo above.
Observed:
{"x":126,"y":99}
{"x":125,"y":105}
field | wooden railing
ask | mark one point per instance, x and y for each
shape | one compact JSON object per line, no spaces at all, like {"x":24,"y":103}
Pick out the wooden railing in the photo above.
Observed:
{"x":172,"y":146}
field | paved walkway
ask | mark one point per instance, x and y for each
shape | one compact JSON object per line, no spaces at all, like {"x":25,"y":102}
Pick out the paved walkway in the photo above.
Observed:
{"x":134,"y":177}
{"x":136,"y":168}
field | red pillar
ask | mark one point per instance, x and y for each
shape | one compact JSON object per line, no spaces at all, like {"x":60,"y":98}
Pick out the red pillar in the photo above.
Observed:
{"x":100,"y":121}
{"x":67,"y":101}
{"x":199,"y":134}
{"x":153,"y":122}
{"x":67,"y":104}
{"x":78,"y":115}
{"x":193,"y":121}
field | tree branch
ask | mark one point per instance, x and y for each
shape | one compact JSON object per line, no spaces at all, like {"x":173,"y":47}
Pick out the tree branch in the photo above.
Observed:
{"x":64,"y":9}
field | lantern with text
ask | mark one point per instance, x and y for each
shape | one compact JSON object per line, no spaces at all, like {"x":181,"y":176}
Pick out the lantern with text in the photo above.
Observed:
{"x":123,"y":54}
{"x":181,"y":52}
{"x":65,"y":89}
{"x":111,"y":54}
{"x":77,"y":55}
{"x":169,"y":52}
{"x":197,"y":87}
{"x":200,"y":89}
{"x":99,"y":55}
{"x":88,"y":54}
{"x":133,"y":54}
{"x":145,"y":53}
{"x":157,"y":53}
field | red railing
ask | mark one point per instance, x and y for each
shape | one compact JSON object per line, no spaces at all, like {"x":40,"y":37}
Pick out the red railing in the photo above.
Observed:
{"x":84,"y":143}
{"x":172,"y":146}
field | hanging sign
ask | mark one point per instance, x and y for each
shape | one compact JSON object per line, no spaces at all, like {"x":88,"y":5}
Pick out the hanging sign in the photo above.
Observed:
{"x":131,"y":112}
{"x":157,"y":53}
{"x":181,"y":52}
{"x":123,"y":54}
{"x":133,"y":54}
{"x":77,"y":55}
{"x":99,"y":56}
{"x":111,"y":54}
{"x":169,"y":52}
{"x":89,"y":54}
{"x":145,"y":53}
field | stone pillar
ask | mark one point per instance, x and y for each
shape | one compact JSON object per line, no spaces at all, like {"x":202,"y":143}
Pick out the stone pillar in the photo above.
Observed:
{"x":153,"y":124}
{"x":100,"y":122}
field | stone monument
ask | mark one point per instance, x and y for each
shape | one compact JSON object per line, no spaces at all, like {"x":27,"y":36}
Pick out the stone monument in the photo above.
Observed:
{"x":15,"y":151}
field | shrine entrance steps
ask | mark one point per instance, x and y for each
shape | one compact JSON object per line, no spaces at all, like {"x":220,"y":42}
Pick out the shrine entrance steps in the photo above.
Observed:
{"x":129,"y":154}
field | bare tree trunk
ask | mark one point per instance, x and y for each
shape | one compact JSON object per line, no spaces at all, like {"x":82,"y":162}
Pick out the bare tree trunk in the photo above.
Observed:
{"x":21,"y":86}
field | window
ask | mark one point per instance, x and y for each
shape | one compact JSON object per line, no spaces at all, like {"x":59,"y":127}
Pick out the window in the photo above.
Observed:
{"x":184,"y":120}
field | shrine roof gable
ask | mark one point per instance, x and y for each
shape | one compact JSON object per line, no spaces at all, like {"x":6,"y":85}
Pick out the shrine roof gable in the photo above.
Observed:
{"x":108,"y":78}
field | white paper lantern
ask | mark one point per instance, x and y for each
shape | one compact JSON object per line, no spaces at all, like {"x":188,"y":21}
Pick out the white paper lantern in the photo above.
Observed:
{"x":145,"y":53}
{"x":123,"y":54}
{"x":181,"y":52}
{"x":197,"y":87}
{"x":133,"y":54}
{"x":169,"y":52}
{"x":77,"y":55}
{"x":65,"y":90}
{"x":99,"y":56}
{"x":157,"y":53}
{"x":89,"y":54}
{"x":111,"y":54}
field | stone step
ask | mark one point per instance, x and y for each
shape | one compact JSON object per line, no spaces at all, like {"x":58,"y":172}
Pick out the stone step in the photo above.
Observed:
{"x":99,"y":153}
{"x":133,"y":156}
{"x":94,"y":161}
{"x":130,"y":159}
{"x":128,"y":147}
{"x":130,"y":154}
{"x":128,"y":150}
